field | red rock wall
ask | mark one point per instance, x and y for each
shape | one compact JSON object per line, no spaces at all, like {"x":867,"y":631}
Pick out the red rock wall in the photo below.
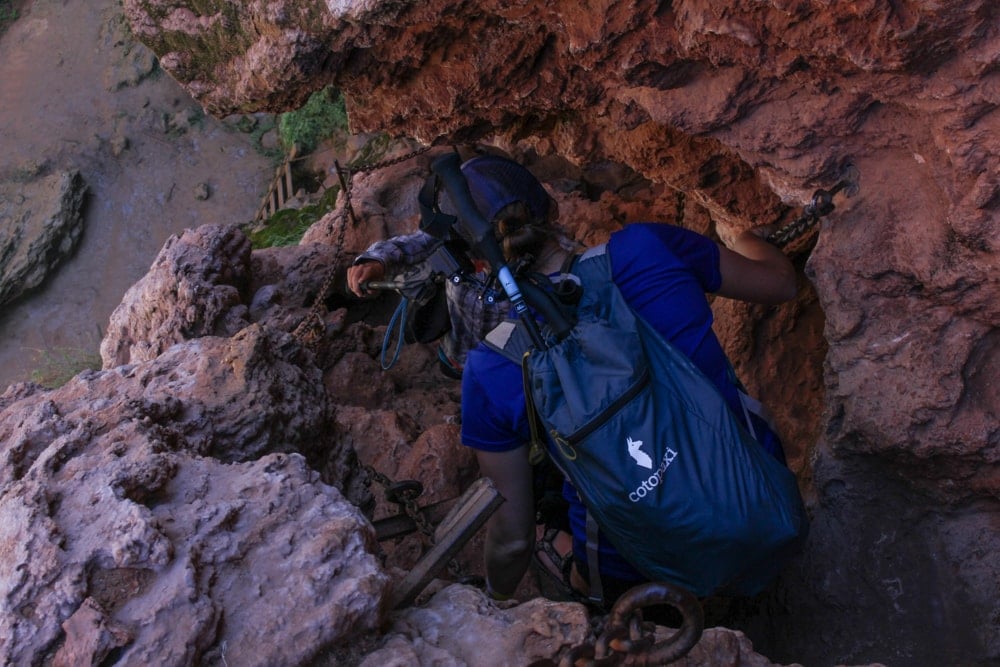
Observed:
{"x":884,"y":370}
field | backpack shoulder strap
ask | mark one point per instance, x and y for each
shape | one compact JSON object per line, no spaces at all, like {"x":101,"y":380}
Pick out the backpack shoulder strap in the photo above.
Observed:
{"x":593,"y":267}
{"x":510,"y":339}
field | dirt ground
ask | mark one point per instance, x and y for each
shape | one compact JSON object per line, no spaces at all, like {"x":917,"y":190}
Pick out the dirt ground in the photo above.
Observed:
{"x":77,"y":93}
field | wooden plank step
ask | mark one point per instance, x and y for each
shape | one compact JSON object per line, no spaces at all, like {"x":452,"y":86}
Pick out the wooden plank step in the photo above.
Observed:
{"x":471,"y":511}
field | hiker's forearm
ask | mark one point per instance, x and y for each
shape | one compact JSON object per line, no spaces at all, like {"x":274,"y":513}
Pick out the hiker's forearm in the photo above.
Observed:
{"x":401,"y":251}
{"x":755,"y":270}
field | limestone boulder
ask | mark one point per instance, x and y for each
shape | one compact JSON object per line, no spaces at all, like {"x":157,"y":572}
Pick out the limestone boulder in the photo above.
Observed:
{"x":41,"y":222}
{"x":453,"y":626}
{"x":164,"y":512}
{"x":195,"y":287}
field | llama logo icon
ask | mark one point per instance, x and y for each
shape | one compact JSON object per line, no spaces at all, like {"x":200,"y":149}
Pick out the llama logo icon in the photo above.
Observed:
{"x":641,"y":457}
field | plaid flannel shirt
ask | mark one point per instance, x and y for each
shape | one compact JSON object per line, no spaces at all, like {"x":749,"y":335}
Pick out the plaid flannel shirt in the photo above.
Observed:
{"x":471,"y":314}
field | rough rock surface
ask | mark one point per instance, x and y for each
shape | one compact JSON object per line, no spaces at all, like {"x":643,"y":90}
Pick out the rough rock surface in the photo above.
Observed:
{"x":450,"y":629}
{"x":41,"y":221}
{"x":150,"y":509}
{"x":191,"y":290}
{"x":746,"y":108}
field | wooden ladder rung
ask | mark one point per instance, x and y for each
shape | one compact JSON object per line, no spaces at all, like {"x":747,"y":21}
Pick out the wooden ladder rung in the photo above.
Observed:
{"x":468,"y":515}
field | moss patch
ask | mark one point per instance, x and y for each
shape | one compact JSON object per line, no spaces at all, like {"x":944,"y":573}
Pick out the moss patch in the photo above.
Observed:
{"x":287,"y":226}
{"x":323,"y":116}
{"x":9,"y":11}
{"x":58,"y":366}
{"x":220,"y":43}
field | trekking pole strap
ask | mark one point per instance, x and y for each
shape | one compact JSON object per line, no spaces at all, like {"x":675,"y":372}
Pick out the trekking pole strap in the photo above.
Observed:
{"x":398,"y":316}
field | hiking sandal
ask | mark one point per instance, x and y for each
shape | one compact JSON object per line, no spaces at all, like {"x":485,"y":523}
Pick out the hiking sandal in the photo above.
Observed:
{"x":553,"y":577}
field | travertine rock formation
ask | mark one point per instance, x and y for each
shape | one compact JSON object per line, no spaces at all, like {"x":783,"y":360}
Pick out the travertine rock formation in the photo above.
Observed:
{"x":191,"y":290}
{"x":745,"y":108}
{"x":451,"y":627}
{"x":162,"y":509}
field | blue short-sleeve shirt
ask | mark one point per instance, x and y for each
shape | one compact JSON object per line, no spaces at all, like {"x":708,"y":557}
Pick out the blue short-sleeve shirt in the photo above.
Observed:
{"x":663,"y":271}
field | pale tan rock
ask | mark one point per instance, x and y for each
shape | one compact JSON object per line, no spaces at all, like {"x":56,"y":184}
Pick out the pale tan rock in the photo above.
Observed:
{"x":265,"y":545}
{"x":105,"y":494}
{"x":90,"y":637}
{"x":461,"y":626}
{"x":193,"y":289}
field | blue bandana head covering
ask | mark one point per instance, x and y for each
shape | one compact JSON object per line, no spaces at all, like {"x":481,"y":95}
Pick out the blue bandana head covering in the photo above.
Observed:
{"x":496,"y":182}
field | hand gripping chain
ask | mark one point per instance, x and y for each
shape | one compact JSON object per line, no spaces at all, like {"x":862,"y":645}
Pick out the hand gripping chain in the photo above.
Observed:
{"x":310,"y":329}
{"x":821,"y":204}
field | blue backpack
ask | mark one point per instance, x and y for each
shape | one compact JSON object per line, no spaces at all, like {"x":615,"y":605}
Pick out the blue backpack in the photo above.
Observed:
{"x":665,"y":469}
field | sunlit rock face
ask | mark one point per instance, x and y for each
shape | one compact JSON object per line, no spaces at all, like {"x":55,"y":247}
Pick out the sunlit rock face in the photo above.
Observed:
{"x":882,"y":374}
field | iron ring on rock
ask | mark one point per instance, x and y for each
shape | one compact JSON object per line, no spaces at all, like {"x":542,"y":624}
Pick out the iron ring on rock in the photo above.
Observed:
{"x":623,"y":615}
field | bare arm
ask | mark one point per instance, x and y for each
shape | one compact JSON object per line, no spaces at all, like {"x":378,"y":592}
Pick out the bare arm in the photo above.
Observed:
{"x":510,"y":532}
{"x":755,"y":270}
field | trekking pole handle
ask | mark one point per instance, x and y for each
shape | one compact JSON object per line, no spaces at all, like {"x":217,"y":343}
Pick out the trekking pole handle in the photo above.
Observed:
{"x":370,"y":285}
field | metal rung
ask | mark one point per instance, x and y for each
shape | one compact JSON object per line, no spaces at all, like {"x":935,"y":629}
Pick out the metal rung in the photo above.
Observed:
{"x":401,"y":525}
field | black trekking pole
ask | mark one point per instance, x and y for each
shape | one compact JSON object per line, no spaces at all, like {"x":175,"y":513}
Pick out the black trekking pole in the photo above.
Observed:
{"x":480,"y":232}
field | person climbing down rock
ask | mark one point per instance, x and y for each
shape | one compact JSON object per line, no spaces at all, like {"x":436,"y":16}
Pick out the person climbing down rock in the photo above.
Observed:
{"x":475,"y":303}
{"x":663,"y":272}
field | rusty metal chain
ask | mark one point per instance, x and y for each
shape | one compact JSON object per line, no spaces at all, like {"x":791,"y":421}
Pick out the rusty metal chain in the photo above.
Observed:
{"x":310,"y":330}
{"x":627,"y":640}
{"x":405,"y":494}
{"x":821,"y":204}
{"x":375,"y":166}
{"x":679,"y":201}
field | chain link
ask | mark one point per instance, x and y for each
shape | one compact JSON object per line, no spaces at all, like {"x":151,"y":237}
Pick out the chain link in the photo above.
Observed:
{"x":625,"y":639}
{"x":405,"y":495}
{"x":821,"y":204}
{"x":389,"y":162}
{"x":794,"y":230}
{"x":310,"y":330}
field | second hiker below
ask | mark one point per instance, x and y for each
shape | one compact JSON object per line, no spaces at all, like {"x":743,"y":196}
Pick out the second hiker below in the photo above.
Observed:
{"x":502,"y":189}
{"x":663,"y":272}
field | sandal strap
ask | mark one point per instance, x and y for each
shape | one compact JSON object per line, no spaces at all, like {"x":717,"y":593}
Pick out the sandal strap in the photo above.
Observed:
{"x":563,"y":563}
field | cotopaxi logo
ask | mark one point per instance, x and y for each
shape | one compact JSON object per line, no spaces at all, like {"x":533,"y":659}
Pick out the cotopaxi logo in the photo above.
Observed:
{"x":655,"y":479}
